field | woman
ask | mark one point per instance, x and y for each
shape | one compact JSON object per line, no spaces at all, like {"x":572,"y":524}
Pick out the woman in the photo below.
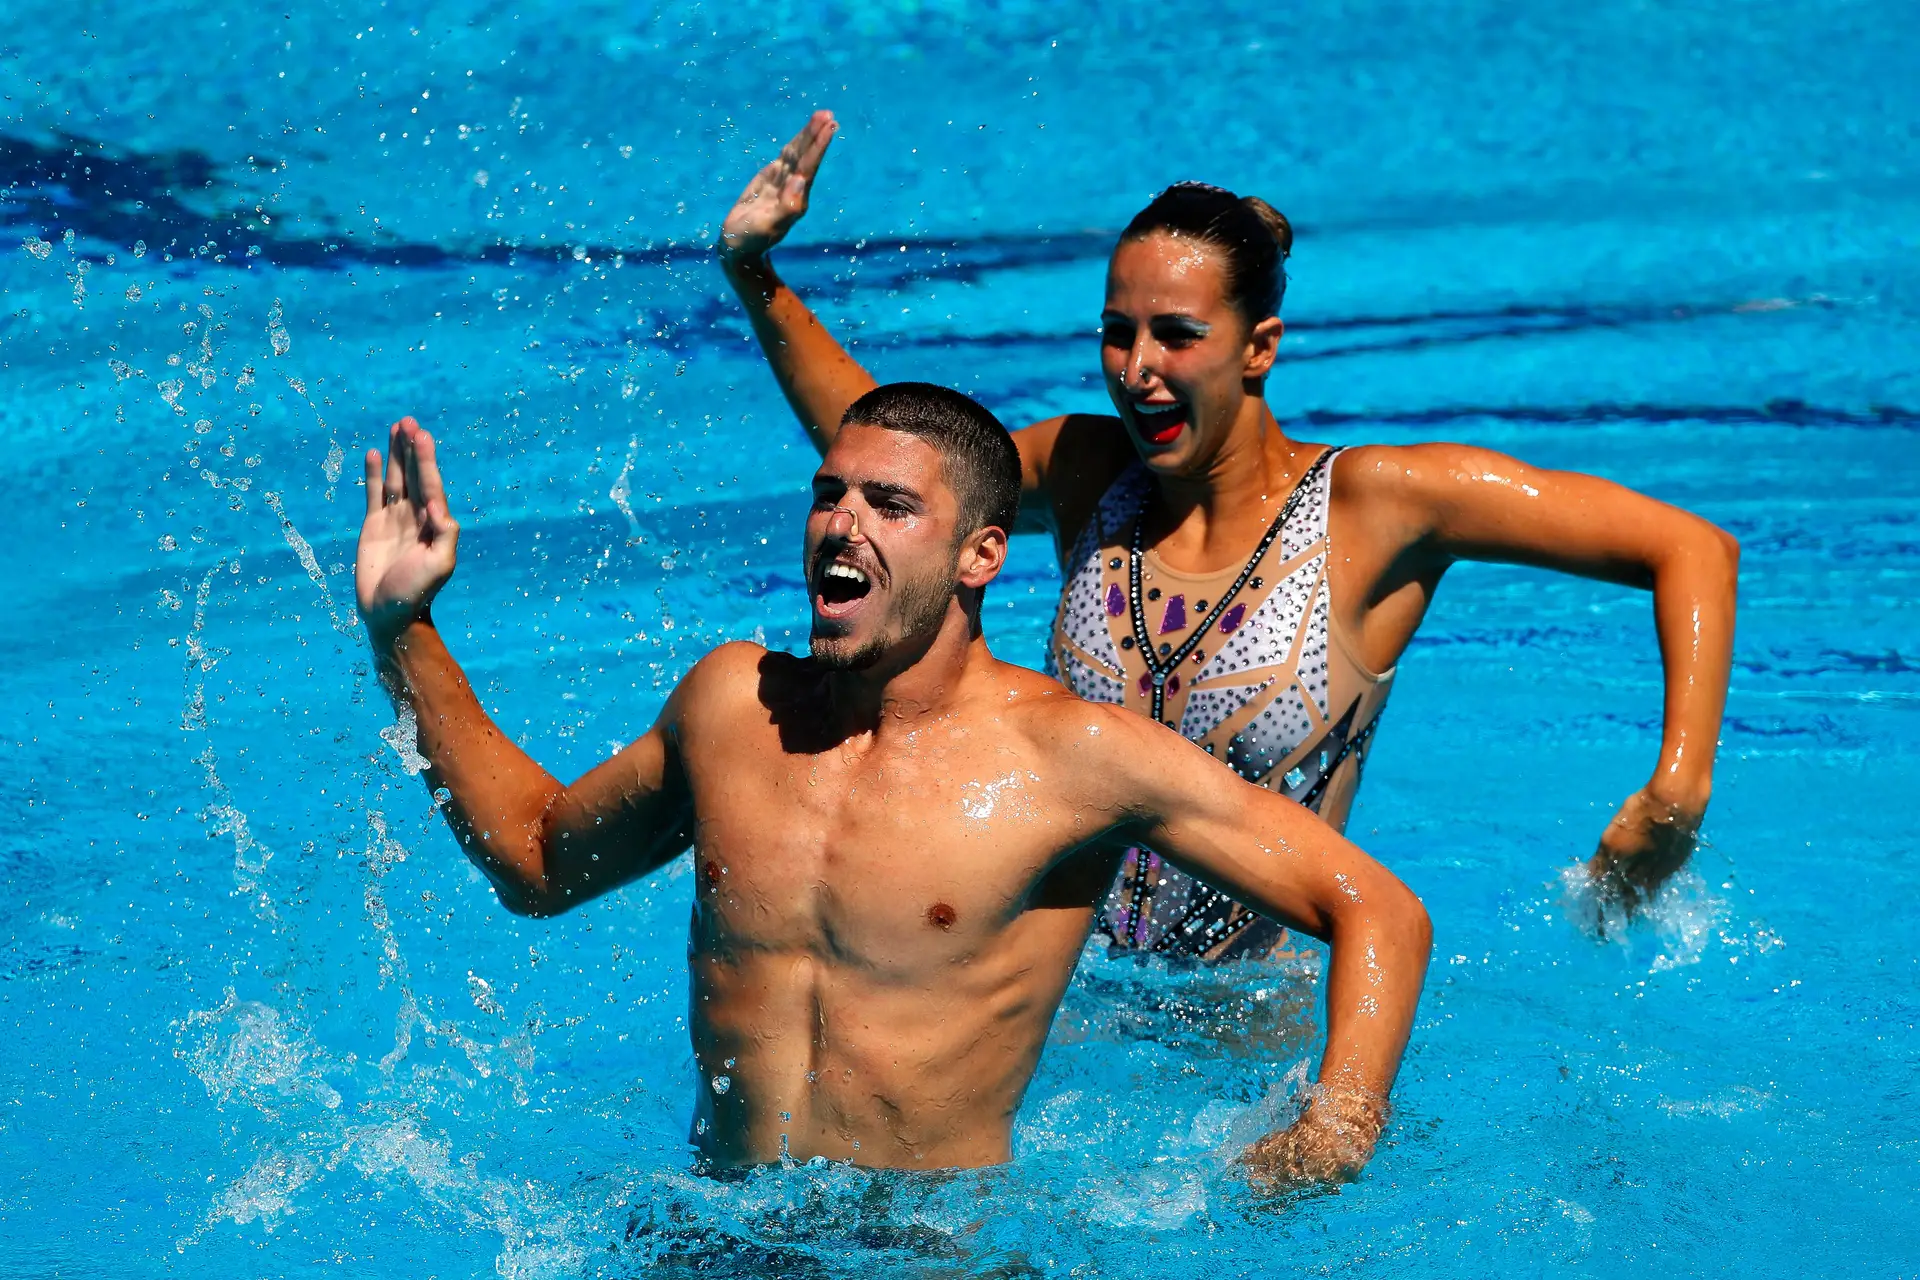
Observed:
{"x":1255,"y":591}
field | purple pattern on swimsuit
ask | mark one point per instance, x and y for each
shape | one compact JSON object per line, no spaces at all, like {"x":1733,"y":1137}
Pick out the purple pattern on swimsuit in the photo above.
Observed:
{"x":1176,"y":615}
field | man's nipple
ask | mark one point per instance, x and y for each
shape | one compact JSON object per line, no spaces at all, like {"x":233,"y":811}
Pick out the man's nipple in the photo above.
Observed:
{"x":941,"y":916}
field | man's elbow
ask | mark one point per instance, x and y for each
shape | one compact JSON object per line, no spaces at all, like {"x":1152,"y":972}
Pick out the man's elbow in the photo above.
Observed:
{"x":1714,"y":545}
{"x":1418,"y":924}
{"x":1729,"y":550}
{"x":532,"y":901}
{"x":1405,"y":918}
{"x":530,"y":908}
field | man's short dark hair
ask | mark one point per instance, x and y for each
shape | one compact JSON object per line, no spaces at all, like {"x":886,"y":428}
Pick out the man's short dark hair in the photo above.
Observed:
{"x":977,"y":455}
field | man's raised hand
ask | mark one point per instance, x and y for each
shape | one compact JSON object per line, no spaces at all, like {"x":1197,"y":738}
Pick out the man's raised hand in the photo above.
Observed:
{"x":777,"y":196}
{"x":407,"y":541}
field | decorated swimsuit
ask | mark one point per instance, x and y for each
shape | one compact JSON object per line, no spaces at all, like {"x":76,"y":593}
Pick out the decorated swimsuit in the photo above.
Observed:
{"x":1247,"y":662}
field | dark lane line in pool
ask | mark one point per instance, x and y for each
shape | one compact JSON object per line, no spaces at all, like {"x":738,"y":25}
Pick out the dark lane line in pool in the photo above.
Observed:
{"x":77,"y":184}
{"x":1501,"y":323}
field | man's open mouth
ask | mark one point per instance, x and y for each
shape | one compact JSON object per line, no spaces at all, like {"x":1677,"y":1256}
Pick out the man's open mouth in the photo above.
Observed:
{"x":1160,"y":424}
{"x":841,"y":587}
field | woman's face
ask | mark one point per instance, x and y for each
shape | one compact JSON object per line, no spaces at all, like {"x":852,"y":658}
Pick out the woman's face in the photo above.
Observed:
{"x":1179,"y":359}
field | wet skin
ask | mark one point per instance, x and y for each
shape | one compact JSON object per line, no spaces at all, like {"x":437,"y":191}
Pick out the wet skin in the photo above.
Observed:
{"x":899,"y":841}
{"x":1186,"y":373}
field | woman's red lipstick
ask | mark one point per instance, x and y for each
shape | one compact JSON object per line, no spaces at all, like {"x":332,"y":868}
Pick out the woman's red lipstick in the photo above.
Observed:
{"x":1162,"y":427}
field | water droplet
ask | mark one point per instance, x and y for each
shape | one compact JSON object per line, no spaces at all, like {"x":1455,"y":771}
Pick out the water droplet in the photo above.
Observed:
{"x":441,"y":795}
{"x":721,"y":1084}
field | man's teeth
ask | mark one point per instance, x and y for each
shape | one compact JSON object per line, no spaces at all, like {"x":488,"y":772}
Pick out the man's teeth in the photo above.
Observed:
{"x":848,"y":572}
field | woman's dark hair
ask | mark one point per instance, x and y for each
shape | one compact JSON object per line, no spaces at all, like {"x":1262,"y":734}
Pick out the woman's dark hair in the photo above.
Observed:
{"x":1255,"y":237}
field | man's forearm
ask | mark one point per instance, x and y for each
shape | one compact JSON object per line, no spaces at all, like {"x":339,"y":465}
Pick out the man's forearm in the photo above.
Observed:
{"x":816,"y":375}
{"x":1378,"y":963}
{"x":1694,"y":594}
{"x":497,"y":796}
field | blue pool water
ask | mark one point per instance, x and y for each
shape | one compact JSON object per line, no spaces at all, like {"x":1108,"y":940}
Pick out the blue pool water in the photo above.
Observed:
{"x":259,"y":1017}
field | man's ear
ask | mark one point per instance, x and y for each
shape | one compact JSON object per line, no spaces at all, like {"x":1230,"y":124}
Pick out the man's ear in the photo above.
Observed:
{"x":981,"y":556}
{"x":1263,"y":345}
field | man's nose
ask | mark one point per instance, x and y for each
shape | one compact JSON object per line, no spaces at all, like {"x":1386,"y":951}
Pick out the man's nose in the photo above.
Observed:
{"x":843,"y":525}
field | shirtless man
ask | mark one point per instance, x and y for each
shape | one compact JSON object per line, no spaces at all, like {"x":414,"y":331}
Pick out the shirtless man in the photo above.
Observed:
{"x":899,"y":840}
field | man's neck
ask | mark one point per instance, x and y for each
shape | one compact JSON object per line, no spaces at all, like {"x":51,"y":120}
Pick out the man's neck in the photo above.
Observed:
{"x":920,"y":678}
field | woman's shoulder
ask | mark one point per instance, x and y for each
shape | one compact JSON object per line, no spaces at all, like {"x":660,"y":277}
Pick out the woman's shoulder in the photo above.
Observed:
{"x":1398,"y":470}
{"x":1074,"y":459}
{"x":1076,"y":442}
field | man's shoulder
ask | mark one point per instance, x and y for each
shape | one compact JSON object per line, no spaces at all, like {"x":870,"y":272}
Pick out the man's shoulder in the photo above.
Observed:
{"x":1061,"y":725}
{"x":737,"y":674}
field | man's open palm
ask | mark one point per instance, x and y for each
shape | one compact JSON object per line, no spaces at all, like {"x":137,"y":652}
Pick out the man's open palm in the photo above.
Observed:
{"x":407,"y":542}
{"x":777,"y":196}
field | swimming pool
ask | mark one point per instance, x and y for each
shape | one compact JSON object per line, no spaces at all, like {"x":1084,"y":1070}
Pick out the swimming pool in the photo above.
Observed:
{"x":261,"y":1018}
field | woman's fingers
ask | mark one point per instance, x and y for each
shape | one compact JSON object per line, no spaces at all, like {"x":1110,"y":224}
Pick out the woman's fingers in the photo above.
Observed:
{"x":374,"y":466}
{"x":394,"y":486}
{"x":432,"y":494}
{"x":416,"y":487}
{"x":818,"y":134}
{"x":798,"y":143}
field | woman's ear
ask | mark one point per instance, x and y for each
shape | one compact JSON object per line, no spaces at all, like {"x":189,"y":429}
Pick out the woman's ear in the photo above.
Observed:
{"x":1263,"y":345}
{"x":982,"y":556}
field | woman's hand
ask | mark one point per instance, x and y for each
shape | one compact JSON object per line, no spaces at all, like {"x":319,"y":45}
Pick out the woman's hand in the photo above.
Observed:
{"x":1330,"y":1142}
{"x":1648,"y":840}
{"x":407,"y":542}
{"x":777,"y":196}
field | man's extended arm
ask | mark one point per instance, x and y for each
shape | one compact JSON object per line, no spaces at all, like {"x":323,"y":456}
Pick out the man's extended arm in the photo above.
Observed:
{"x":545,"y":846}
{"x":1283,"y":861}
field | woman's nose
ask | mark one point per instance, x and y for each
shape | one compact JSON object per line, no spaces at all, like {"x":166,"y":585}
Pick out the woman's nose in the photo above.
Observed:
{"x":1138,"y":370}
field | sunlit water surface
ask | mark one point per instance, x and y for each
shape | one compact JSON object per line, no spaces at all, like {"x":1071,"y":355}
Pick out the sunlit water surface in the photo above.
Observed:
{"x":259,"y":1017}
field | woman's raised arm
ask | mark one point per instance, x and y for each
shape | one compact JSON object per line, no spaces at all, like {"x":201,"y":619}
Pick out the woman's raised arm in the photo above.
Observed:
{"x":820,"y":379}
{"x":816,"y":374}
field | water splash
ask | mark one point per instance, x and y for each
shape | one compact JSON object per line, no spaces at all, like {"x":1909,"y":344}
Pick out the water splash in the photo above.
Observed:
{"x":1684,"y":919}
{"x":622,"y":493}
{"x":342,"y":622}
{"x":404,"y":737}
{"x":277,"y":333}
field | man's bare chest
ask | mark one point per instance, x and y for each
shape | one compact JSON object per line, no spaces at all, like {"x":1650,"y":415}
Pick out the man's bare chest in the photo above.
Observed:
{"x":869,"y":857}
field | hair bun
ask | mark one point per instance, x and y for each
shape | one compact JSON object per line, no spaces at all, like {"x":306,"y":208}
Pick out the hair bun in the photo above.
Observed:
{"x":1274,"y":221}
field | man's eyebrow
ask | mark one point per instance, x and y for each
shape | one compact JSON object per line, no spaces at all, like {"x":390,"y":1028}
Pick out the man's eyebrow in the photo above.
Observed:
{"x":891,"y":490}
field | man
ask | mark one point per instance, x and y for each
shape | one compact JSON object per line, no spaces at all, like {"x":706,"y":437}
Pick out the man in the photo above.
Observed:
{"x":899,"y":840}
